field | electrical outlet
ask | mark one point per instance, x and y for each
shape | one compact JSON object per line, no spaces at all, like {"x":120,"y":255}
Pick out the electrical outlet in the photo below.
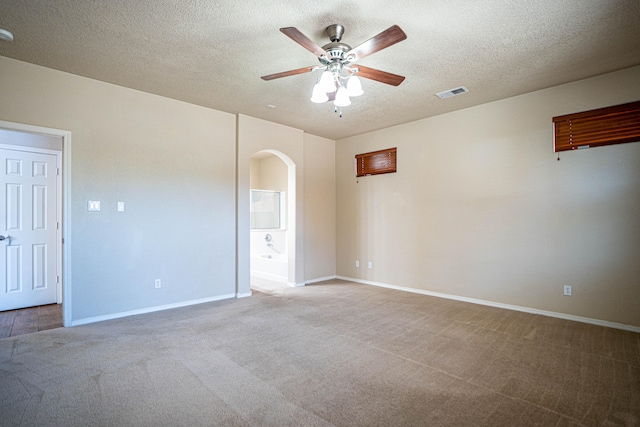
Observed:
{"x":567,"y":291}
{"x":158,"y":284}
{"x":357,"y":263}
{"x":370,"y":265}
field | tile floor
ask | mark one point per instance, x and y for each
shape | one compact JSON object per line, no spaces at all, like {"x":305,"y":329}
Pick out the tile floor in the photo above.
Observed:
{"x":28,"y":320}
{"x":259,"y":284}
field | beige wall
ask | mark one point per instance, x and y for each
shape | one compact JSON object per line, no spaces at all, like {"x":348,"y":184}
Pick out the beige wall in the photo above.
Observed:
{"x":273,"y":174}
{"x":174,"y":166}
{"x":319,"y":208}
{"x":268,"y":173}
{"x":254,"y":173}
{"x":171,"y":163}
{"x":480,"y":207}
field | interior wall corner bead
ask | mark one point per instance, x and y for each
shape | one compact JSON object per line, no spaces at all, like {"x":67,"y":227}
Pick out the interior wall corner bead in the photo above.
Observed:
{"x":618,"y":124}
{"x":376,"y":162}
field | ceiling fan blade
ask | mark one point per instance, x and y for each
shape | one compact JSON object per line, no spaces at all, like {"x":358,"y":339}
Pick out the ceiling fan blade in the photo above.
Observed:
{"x":388,"y":37}
{"x":303,"y":40}
{"x":379,"y":76}
{"x":289,"y":73}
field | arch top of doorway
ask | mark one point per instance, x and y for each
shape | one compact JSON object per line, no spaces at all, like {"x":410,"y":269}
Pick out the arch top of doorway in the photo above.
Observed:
{"x":277,"y":153}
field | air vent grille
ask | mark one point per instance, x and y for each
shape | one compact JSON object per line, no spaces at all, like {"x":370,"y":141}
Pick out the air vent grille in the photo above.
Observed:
{"x":452,"y":92}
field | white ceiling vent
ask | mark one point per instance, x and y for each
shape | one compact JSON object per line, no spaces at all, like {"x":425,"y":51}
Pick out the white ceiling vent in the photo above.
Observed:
{"x":452,"y":92}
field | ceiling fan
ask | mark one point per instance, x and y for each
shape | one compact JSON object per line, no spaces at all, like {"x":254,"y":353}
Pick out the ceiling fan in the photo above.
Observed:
{"x":339,"y":81}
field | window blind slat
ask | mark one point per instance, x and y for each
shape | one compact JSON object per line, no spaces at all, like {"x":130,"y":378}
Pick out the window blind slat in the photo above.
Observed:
{"x":601,"y":134}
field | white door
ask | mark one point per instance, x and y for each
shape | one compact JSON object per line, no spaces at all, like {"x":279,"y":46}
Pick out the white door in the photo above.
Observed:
{"x":28,"y":226}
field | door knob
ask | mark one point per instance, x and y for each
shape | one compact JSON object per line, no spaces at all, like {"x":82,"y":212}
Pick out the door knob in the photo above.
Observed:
{"x":4,"y":237}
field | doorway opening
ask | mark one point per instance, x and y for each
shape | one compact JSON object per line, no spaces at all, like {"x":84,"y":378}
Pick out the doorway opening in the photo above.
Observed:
{"x":272,"y":221}
{"x":34,"y":224}
{"x":29,"y":320}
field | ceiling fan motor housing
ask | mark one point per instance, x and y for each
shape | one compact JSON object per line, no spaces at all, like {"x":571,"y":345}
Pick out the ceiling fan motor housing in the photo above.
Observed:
{"x":335,"y":32}
{"x":336,"y":50}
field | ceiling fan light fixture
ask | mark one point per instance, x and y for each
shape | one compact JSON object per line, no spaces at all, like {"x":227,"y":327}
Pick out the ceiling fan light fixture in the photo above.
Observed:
{"x":354,"y":86}
{"x":6,"y":35}
{"x":319,"y":95}
{"x":342,"y":97}
{"x":327,"y":81}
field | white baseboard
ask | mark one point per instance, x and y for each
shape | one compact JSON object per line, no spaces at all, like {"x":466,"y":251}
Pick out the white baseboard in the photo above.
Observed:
{"x":243,"y":294}
{"x":148,"y":310}
{"x":320,"y":279}
{"x":499,"y":305}
{"x":295,"y":285}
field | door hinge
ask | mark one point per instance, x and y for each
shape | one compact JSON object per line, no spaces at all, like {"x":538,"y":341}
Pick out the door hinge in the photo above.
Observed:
{"x":57,"y":226}
{"x":57,"y":279}
{"x":58,"y":171}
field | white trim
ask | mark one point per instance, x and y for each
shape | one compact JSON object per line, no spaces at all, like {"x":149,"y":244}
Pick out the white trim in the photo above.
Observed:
{"x":500,"y":305}
{"x":320,"y":279}
{"x":244,"y":294}
{"x":31,"y":149}
{"x":148,"y":310}
{"x":64,"y":261}
{"x":295,"y":285}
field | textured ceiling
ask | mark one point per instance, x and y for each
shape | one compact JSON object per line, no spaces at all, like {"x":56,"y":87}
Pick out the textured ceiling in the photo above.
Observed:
{"x":213,"y":52}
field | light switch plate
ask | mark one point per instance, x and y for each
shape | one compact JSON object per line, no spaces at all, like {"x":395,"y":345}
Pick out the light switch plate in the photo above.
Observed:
{"x":120,"y":206}
{"x":93,"y":205}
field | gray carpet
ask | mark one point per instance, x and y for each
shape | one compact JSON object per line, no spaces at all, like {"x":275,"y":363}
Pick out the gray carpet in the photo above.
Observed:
{"x":334,"y":353}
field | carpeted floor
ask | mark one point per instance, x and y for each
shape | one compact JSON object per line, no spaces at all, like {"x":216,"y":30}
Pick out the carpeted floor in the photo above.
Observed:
{"x":334,"y":353}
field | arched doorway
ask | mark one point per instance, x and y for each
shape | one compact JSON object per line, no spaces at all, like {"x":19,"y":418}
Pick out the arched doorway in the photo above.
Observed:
{"x":272,"y":220}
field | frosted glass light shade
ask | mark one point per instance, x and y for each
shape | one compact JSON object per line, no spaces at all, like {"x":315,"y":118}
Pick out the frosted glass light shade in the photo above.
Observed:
{"x":326,"y":80}
{"x":354,"y":87}
{"x":342,"y":97}
{"x":6,"y":35}
{"x":319,"y":95}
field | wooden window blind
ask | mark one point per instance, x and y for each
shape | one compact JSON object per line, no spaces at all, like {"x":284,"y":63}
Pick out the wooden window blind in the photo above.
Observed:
{"x":595,"y":128}
{"x":376,"y":162}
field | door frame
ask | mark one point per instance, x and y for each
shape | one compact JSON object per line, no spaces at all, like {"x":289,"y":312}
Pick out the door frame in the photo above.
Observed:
{"x":64,"y":207}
